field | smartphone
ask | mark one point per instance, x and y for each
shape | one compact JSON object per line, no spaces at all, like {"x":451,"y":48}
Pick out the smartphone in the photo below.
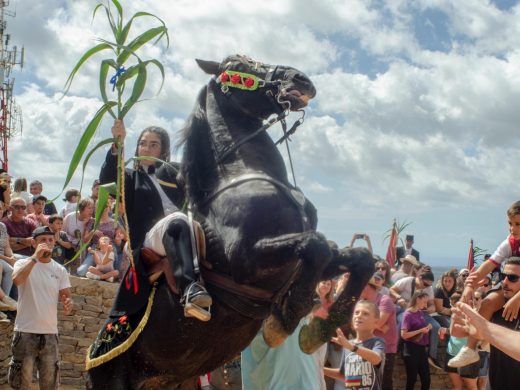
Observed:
{"x":360,"y":236}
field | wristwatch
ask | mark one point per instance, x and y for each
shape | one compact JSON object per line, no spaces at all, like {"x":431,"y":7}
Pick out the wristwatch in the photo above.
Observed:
{"x":18,"y":240}
{"x":34,"y":260}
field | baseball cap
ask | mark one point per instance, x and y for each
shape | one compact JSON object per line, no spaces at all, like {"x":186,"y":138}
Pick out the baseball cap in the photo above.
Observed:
{"x":373,"y":279}
{"x":42,"y":231}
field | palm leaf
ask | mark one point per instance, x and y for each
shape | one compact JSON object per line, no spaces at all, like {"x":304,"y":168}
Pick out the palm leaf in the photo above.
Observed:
{"x":137,"y":91}
{"x":103,"y":74}
{"x":139,"y":41}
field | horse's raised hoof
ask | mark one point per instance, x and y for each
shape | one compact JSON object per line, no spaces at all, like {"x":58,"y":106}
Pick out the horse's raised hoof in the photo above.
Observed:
{"x":273,"y":333}
{"x":311,"y":336}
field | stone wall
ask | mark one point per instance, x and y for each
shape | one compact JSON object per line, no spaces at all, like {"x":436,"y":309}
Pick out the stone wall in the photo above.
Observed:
{"x":92,"y":303}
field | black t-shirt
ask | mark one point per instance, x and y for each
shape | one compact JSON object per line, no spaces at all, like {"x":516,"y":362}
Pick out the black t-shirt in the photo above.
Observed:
{"x":441,"y":294}
{"x":503,"y":370}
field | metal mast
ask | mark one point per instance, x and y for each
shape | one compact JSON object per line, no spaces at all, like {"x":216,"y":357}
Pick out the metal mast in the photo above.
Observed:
{"x":10,"y":112}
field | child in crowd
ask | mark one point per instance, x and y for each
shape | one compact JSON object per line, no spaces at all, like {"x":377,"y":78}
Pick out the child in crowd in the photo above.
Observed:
{"x":463,"y":376}
{"x":363,"y":358}
{"x":509,"y":247}
{"x":104,"y":259}
{"x":71,"y":202}
{"x":414,"y":332}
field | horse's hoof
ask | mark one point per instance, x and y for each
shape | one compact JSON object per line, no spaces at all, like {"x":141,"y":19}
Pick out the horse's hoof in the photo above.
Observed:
{"x":310,"y":337}
{"x":273,"y":333}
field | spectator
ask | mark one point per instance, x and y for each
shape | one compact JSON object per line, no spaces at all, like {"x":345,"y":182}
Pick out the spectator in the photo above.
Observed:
{"x":106,"y":227}
{"x":461,"y":278}
{"x":467,"y":375}
{"x":386,"y":326}
{"x":95,"y":191}
{"x":384,"y":268}
{"x":403,"y":290}
{"x":5,"y":195}
{"x":7,"y":261}
{"x":20,"y":191}
{"x":39,"y":218}
{"x":42,"y":282}
{"x":6,"y":302}
{"x":71,"y":202}
{"x":405,"y":269}
{"x":483,"y":348}
{"x":63,"y":248}
{"x":444,"y":290}
{"x":414,"y":331}
{"x":74,"y":224}
{"x":509,"y":247}
{"x":104,"y":260}
{"x":5,"y":178}
{"x":36,"y":188}
{"x":407,"y":249}
{"x":19,"y":228}
{"x":365,"y":354}
{"x":364,"y":237}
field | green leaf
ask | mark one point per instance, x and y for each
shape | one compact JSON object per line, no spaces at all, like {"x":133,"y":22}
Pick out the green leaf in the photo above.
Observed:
{"x":161,"y":68}
{"x":103,"y":74}
{"x":128,"y":74}
{"x":126,"y":29}
{"x":139,"y":41}
{"x":85,"y":57}
{"x":89,"y":154}
{"x":150,"y":158}
{"x":85,"y":140}
{"x":137,"y":91}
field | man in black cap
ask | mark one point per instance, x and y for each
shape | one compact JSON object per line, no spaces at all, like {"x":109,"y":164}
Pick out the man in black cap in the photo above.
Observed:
{"x":42,"y":282}
{"x":406,"y":250}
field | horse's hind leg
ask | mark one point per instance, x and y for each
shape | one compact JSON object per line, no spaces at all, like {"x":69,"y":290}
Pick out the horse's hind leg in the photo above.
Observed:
{"x":314,"y":254}
{"x":360,"y":264}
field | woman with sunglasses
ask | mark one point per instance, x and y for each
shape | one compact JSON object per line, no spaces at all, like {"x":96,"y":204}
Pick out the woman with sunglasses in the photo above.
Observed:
{"x":384,"y":268}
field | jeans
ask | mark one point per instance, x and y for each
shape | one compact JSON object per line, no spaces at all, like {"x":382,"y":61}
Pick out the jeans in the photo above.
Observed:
{"x":7,"y":277}
{"x":87,"y":262}
{"x":434,"y":335}
{"x":31,"y":348}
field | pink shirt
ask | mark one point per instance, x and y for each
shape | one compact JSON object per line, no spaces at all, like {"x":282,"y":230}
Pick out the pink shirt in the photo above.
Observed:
{"x":387,"y":306}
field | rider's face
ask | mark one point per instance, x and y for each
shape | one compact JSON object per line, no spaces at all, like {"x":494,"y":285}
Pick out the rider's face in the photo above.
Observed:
{"x":149,"y":146}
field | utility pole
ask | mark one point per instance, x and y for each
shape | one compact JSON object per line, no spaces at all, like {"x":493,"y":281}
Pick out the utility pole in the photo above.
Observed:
{"x":10,"y":112}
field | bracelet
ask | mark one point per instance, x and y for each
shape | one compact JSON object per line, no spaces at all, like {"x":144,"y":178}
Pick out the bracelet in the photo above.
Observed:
{"x":34,"y":260}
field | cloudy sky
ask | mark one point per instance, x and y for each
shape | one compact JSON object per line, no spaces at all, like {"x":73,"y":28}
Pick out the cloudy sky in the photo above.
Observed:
{"x":416,"y":116}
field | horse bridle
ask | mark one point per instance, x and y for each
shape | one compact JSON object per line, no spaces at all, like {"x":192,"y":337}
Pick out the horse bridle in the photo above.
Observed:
{"x":276,"y":101}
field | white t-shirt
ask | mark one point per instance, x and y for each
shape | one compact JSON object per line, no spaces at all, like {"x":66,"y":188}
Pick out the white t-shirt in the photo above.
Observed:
{"x":74,"y":227}
{"x":404,"y":288}
{"x":38,"y":297}
{"x":503,"y":252}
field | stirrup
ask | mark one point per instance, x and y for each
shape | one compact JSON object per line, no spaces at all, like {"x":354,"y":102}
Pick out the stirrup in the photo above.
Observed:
{"x":192,"y":310}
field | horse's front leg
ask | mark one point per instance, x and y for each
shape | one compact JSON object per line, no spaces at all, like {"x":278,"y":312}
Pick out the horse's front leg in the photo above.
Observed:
{"x":313,"y":253}
{"x":360,"y":263}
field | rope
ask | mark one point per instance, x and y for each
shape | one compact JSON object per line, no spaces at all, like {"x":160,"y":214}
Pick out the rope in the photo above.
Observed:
{"x":125,"y":215}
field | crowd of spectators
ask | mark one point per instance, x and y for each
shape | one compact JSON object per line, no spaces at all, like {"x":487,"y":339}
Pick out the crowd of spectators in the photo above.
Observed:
{"x":77,"y":244}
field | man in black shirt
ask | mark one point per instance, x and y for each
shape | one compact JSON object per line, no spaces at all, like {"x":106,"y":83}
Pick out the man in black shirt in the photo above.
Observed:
{"x":504,"y":370}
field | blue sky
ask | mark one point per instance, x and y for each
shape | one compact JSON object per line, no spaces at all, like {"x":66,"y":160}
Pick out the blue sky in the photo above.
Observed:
{"x":416,"y":116}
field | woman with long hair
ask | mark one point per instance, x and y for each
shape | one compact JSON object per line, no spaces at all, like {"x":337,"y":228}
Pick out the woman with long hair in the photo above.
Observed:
{"x":414,"y":332}
{"x":445,"y":288}
{"x":20,"y":191}
{"x":384,"y":269}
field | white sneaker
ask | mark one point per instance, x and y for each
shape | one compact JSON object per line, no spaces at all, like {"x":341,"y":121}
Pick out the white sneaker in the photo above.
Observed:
{"x":92,"y":276}
{"x":465,"y":357}
{"x":8,"y":303}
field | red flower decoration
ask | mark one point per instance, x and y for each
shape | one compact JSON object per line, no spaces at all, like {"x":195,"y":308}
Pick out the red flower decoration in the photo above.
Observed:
{"x":235,"y":79}
{"x":109,"y":327}
{"x":249,"y":82}
{"x":224,"y":77}
{"x":122,"y":319}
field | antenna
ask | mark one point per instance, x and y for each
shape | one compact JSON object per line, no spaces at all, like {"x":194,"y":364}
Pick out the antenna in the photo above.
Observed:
{"x":10,"y":112}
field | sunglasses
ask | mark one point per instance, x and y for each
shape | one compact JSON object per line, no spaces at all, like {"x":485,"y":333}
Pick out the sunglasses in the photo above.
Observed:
{"x":511,"y":277}
{"x":19,"y":207}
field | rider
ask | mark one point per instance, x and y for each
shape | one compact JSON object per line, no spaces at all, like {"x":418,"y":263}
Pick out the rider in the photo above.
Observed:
{"x":152,"y":198}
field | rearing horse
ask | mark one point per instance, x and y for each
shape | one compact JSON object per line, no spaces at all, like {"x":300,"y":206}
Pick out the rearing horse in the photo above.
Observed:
{"x":264,"y":256}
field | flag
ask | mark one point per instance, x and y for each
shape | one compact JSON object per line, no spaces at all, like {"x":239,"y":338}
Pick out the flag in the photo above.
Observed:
{"x":392,"y":247}
{"x":471,"y":259}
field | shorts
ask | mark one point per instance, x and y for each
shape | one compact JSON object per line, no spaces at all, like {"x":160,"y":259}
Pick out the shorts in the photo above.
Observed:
{"x":484,"y":363}
{"x":470,"y":371}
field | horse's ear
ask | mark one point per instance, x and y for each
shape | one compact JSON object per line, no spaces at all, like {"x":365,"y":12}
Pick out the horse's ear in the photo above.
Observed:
{"x":210,"y":67}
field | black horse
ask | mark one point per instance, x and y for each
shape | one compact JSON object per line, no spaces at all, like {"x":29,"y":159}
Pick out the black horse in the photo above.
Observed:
{"x":264,"y":256}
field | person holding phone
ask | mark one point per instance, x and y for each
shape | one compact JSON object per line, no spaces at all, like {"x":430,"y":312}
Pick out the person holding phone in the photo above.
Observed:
{"x":364,"y":237}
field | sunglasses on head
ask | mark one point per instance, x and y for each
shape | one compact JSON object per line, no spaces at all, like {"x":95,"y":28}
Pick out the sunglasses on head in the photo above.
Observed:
{"x":19,"y":206}
{"x":511,"y":277}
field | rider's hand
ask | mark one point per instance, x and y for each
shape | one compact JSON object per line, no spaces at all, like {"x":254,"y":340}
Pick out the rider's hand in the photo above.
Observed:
{"x":118,"y":130}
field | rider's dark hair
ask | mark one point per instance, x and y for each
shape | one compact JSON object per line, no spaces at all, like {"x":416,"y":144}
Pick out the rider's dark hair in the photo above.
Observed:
{"x":165,"y":144}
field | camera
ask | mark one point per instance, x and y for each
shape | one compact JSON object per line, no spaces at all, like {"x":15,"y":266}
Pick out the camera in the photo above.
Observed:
{"x":360,"y":236}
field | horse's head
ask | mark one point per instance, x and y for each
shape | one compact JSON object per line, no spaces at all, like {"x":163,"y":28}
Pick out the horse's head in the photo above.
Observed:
{"x":264,"y":89}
